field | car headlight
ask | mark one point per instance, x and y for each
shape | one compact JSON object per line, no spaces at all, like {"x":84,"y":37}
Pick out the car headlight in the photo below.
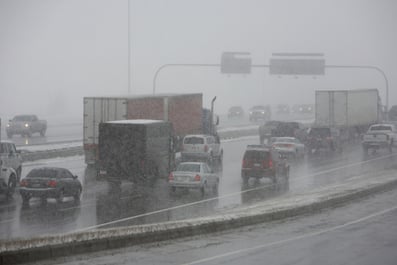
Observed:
{"x":8,"y":125}
{"x":263,"y":112}
{"x":26,"y":125}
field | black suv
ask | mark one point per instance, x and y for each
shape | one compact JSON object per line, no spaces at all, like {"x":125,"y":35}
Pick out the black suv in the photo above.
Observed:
{"x":281,"y":129}
{"x":235,"y":112}
{"x":323,"y":138}
{"x":263,"y":162}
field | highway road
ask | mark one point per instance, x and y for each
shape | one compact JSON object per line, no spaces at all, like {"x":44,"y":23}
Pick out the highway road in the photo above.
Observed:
{"x":360,"y":233}
{"x":100,"y":206}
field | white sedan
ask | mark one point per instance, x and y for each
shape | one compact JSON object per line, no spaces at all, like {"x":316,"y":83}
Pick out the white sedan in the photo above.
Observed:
{"x":193,"y":175}
{"x":289,"y":146}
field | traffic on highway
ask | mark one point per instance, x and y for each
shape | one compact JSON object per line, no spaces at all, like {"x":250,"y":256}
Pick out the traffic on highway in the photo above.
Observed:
{"x":198,"y":132}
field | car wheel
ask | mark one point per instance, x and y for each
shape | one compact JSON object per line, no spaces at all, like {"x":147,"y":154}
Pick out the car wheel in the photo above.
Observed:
{"x":365,"y":149}
{"x":202,"y":191}
{"x":77,"y":195}
{"x":215,"y":187}
{"x":11,"y":186}
{"x":19,"y":171}
{"x":25,"y":198}
{"x":172,"y":190}
{"x":245,"y":179}
{"x":60,"y":196}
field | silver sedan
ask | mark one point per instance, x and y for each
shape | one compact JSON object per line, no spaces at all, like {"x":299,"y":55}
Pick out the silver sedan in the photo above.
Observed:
{"x":289,"y":146}
{"x":193,"y":175}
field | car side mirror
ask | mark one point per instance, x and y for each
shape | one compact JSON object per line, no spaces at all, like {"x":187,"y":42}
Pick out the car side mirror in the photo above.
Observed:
{"x":75,"y":177}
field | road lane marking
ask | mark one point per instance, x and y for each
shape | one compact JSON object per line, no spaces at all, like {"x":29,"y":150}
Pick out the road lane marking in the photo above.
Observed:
{"x":288,"y":240}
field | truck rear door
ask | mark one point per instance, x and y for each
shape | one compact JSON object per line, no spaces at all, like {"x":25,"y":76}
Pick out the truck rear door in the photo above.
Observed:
{"x":97,"y":110}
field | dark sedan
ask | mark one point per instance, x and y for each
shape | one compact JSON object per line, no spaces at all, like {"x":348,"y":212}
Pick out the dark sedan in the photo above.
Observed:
{"x":235,"y":112}
{"x":50,"y":182}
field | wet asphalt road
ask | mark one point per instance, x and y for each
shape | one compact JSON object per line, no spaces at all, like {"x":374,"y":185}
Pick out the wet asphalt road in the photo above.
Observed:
{"x":363,"y":232}
{"x":99,"y":205}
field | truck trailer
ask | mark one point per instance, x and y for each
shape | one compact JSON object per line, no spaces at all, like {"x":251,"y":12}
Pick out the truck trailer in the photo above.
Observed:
{"x":348,"y":108}
{"x":136,"y":150}
{"x":184,"y":111}
{"x":342,"y":116}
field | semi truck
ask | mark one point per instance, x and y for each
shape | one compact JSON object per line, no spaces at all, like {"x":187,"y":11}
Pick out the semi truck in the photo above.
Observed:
{"x":184,"y":111}
{"x":341,"y":116}
{"x":138,"y":150}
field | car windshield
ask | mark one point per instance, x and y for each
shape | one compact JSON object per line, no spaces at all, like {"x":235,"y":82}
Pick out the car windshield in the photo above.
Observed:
{"x":188,"y":167}
{"x":23,"y":118}
{"x":256,"y":155}
{"x":235,"y":109}
{"x":42,"y":173}
{"x":194,"y":140}
{"x":274,"y":99}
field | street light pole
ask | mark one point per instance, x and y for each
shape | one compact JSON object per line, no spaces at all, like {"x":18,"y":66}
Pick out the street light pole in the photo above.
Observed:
{"x":129,"y":49}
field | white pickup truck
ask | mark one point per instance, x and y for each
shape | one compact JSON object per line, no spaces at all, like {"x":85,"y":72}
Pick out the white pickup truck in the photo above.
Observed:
{"x":380,"y":136}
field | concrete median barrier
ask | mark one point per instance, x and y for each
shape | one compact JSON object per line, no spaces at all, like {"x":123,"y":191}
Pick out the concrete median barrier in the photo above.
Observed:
{"x":77,"y":149}
{"x":47,"y":247}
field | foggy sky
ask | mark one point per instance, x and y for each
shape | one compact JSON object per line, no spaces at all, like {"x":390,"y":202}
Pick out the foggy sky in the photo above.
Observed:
{"x":55,"y":52}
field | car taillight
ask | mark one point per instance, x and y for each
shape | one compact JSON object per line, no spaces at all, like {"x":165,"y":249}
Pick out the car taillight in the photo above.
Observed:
{"x":270,"y":163}
{"x":23,"y":183}
{"x":245,"y":163}
{"x":197,"y":178}
{"x":171,"y":176}
{"x":205,"y":148}
{"x":52,"y":183}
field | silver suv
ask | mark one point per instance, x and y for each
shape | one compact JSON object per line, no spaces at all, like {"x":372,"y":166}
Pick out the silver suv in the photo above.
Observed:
{"x":8,"y":180}
{"x":11,"y":158}
{"x":202,"y":147}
